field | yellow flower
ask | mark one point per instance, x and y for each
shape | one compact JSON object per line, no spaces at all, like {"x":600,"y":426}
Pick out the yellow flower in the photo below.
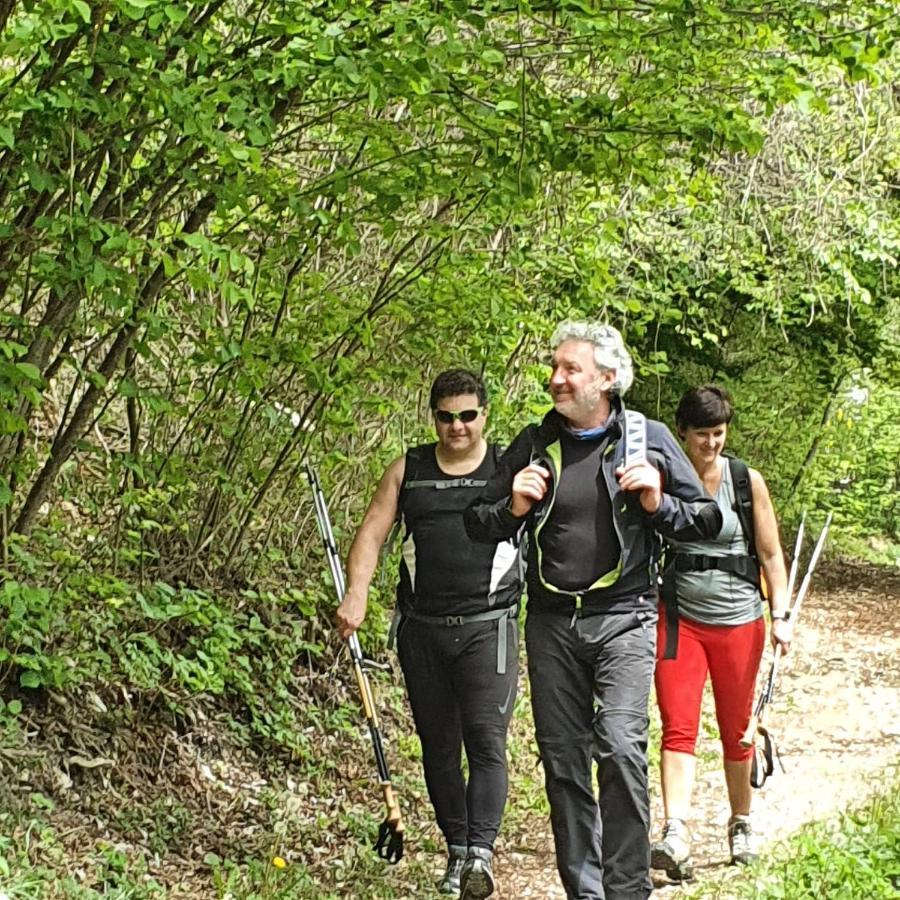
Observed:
{"x":279,"y":863}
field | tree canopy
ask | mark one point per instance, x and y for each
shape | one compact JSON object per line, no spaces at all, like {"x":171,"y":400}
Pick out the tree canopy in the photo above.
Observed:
{"x":236,"y":237}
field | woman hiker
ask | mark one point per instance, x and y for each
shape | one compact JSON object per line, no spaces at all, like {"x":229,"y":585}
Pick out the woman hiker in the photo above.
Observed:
{"x":712,"y":624}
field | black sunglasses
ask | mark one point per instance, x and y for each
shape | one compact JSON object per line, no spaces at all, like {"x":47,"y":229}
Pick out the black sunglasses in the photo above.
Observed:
{"x":445,"y":417}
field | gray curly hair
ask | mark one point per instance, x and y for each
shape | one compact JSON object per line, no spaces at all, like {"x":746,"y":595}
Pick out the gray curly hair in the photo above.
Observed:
{"x":609,"y":348}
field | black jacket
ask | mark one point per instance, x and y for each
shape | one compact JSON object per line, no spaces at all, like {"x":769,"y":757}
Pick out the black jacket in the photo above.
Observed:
{"x":686,"y":512}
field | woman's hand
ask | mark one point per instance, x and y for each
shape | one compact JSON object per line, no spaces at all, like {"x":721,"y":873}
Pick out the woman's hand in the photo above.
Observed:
{"x":782,"y":633}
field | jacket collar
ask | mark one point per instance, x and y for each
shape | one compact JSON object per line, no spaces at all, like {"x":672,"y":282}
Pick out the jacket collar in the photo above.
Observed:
{"x":553,"y":423}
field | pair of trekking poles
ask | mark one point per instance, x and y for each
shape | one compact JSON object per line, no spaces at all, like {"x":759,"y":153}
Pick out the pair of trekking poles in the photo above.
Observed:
{"x":389,"y":841}
{"x":757,"y":736}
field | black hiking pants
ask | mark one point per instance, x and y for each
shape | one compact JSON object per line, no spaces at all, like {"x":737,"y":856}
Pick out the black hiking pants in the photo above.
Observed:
{"x":457,"y":699}
{"x":590,"y":685}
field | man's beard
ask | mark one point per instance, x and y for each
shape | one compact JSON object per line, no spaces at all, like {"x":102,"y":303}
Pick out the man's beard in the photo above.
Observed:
{"x":583,"y":403}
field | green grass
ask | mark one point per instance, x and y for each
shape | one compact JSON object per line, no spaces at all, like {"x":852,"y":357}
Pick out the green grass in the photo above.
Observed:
{"x":856,"y":856}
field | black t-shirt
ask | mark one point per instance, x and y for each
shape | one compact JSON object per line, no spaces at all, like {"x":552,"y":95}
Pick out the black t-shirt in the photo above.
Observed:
{"x":443,"y":571}
{"x":578,"y":543}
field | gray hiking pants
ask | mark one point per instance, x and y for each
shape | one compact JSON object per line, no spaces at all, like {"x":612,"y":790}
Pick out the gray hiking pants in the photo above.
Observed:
{"x":590,"y":685}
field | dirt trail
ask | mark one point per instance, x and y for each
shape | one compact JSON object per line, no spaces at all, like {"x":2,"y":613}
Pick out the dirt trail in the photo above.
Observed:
{"x":837,"y":719}
{"x":836,"y":715}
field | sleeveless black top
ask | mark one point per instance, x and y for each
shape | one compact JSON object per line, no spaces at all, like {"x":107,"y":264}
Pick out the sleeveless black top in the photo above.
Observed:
{"x":443,"y":571}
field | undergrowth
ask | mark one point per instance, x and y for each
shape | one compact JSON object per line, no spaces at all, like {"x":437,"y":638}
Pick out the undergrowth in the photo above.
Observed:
{"x":855,"y":856}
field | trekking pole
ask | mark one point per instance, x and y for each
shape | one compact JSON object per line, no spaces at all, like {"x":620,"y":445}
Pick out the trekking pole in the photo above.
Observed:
{"x":768,"y":690}
{"x":798,"y":544}
{"x":389,"y":843}
{"x":804,"y":585}
{"x":766,"y":694}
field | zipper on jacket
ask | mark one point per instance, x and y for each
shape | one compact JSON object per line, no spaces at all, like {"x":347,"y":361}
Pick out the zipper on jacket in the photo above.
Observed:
{"x":577,"y":613}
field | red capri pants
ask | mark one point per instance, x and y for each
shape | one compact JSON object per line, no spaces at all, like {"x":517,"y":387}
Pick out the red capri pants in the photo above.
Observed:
{"x":731,"y":655}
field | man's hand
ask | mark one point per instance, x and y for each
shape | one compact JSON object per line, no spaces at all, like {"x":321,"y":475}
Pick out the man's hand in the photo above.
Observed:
{"x":350,"y":613}
{"x":644,"y":477}
{"x":528,"y":487}
{"x":782,"y":633}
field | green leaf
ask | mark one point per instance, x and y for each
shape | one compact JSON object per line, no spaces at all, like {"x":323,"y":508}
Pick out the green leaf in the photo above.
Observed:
{"x":83,"y":10}
{"x":41,"y":801}
{"x":30,"y":371}
{"x":128,"y":388}
{"x":493,"y":57}
{"x":30,"y":679}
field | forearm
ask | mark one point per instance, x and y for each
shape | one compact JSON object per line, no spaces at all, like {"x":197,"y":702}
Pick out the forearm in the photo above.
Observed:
{"x":491,"y":522}
{"x":687,"y":520}
{"x":775,"y":575}
{"x":686,"y":512}
{"x":362,"y":562}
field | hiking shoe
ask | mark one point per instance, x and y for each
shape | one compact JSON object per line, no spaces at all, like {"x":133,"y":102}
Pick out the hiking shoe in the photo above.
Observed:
{"x":449,"y":884}
{"x":741,"y":841}
{"x":673,"y":852}
{"x":477,"y":878}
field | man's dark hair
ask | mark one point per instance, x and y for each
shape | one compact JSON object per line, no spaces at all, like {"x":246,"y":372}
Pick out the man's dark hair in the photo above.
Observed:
{"x":454,"y":382}
{"x":704,"y":407}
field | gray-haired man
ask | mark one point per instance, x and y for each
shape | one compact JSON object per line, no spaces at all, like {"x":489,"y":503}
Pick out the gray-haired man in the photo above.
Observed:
{"x":592,"y":608}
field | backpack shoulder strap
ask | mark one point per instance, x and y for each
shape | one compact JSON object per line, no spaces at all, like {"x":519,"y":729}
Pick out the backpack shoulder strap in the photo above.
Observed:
{"x":414,"y":458}
{"x":743,"y":499}
{"x":635,"y":436}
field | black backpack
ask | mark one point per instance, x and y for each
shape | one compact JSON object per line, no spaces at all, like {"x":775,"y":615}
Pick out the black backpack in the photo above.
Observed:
{"x":746,"y":567}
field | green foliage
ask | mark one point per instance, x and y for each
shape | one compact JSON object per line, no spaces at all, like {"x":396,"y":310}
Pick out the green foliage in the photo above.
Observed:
{"x":29,"y":619}
{"x":856,"y":857}
{"x":94,"y":628}
{"x":857,"y":468}
{"x":239,"y":237}
{"x":114,"y":875}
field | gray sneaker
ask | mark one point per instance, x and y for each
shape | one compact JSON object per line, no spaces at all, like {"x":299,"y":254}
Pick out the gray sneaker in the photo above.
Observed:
{"x":673,"y":852}
{"x":477,"y":879}
{"x":456,"y":857}
{"x":741,"y":841}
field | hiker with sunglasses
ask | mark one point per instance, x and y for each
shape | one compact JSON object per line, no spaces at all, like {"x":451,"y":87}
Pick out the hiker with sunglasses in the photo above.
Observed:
{"x":593,"y":521}
{"x":457,"y":635}
{"x":712,"y":623}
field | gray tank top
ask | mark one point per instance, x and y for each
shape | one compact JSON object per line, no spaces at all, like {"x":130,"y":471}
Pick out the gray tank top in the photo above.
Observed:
{"x":713,"y":597}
